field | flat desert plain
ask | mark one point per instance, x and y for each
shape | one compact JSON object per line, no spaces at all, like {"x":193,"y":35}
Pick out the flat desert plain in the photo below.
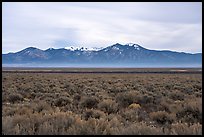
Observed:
{"x":88,"y":101}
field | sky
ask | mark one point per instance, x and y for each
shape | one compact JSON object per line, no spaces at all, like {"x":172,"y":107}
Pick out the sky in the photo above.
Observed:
{"x":175,"y":26}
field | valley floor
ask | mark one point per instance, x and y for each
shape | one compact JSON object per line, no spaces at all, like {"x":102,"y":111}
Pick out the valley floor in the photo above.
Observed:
{"x":102,"y":103}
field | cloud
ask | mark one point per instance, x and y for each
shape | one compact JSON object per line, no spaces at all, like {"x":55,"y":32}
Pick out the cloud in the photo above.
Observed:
{"x":169,"y":26}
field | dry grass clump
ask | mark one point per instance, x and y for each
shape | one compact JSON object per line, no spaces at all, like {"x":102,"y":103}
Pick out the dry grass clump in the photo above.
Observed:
{"x":134,"y":106}
{"x":101,"y":104}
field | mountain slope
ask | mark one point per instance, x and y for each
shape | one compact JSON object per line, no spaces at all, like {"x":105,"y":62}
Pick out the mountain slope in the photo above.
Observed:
{"x":117,"y":54}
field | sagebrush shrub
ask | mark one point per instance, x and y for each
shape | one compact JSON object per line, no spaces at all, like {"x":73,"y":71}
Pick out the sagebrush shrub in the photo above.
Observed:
{"x":92,"y":113}
{"x":62,"y":101}
{"x":15,"y":98}
{"x":89,"y":102}
{"x":184,"y":129}
{"x":162,"y":117}
{"x":41,"y":106}
{"x":125,"y":99}
{"x":191,"y":111}
{"x":108,"y":106}
{"x":177,"y":95}
{"x":82,"y":104}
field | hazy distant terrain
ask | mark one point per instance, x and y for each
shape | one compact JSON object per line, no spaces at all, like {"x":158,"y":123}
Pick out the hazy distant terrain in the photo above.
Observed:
{"x":117,"y":55}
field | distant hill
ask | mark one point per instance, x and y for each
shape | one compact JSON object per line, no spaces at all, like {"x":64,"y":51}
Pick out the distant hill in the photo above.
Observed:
{"x":132,"y":55}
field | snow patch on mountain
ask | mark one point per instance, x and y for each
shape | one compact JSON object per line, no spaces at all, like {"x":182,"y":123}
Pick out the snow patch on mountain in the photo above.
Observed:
{"x":130,"y":44}
{"x":115,"y":48}
{"x":136,"y":46}
{"x":74,"y":48}
{"x":95,"y":48}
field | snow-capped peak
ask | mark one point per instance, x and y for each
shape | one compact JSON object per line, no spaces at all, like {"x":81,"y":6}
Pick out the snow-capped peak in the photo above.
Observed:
{"x":130,"y":44}
{"x":72,"y":48}
{"x":95,"y":48}
{"x":136,"y":46}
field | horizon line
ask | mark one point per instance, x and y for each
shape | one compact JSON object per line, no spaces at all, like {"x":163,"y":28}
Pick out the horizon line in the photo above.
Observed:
{"x":101,"y":48}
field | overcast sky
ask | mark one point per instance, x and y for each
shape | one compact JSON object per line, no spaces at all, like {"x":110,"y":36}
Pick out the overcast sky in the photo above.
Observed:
{"x":160,"y":26}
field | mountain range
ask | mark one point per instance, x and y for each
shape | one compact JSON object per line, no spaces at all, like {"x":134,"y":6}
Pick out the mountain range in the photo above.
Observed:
{"x":118,"y":55}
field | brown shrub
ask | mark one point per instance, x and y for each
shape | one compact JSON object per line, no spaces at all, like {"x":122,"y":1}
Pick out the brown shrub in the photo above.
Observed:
{"x":177,"y":95}
{"x":15,"y":98}
{"x":145,"y":99}
{"x":62,"y":101}
{"x":41,"y":106}
{"x":162,"y":117}
{"x":89,"y":102}
{"x":191,"y":111}
{"x":92,"y":113}
{"x":185,"y":129}
{"x":77,"y":97}
{"x":84,"y":105}
{"x":125,"y":99}
{"x":130,"y":115}
{"x":140,"y":128}
{"x":108,"y":106}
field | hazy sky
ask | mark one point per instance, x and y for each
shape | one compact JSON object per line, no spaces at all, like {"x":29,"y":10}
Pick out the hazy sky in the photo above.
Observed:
{"x":160,"y":26}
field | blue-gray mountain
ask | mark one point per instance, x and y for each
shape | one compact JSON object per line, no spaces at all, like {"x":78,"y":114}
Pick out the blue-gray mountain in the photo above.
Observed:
{"x":116,"y":55}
